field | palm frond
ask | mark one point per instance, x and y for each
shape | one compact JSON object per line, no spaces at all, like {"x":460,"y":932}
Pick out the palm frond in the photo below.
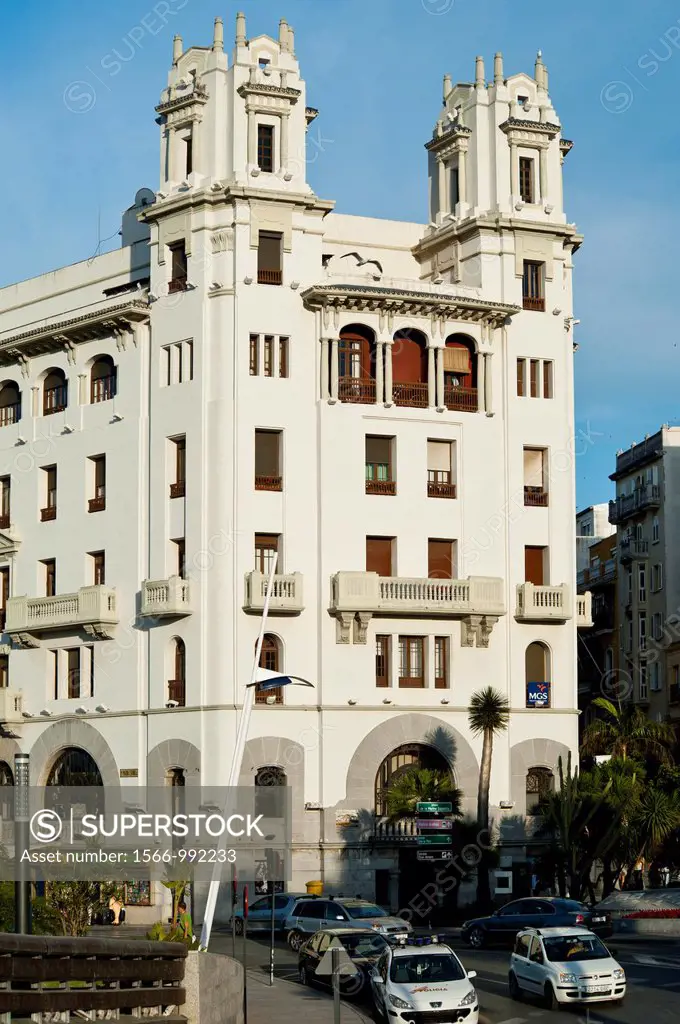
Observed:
{"x":489,"y":711}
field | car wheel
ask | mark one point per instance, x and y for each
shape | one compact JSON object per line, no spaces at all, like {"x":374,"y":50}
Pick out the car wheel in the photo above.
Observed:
{"x":550,"y":997}
{"x":515,"y":990}
{"x":239,"y":926}
{"x":477,"y":938}
{"x":303,"y":975}
{"x":295,"y":940}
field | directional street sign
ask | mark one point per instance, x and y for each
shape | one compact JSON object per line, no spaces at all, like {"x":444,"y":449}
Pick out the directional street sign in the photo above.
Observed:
{"x":430,"y":807}
{"x":434,"y":824}
{"x":434,"y":840}
{"x":432,"y":855}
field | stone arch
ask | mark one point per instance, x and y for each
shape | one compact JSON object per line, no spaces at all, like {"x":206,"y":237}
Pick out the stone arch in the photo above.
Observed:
{"x":536,"y":753}
{"x":288,"y":755}
{"x":404,"y":729}
{"x":173,"y":754}
{"x":72,"y":733}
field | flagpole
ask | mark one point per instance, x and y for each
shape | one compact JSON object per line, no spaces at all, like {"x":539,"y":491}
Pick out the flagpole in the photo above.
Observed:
{"x":239,"y":749}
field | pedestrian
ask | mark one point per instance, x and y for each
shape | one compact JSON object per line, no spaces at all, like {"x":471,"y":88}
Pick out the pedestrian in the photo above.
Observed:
{"x":185,"y":928}
{"x":115,"y":907}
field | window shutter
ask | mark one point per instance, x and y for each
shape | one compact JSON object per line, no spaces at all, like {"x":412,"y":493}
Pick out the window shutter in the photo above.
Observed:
{"x":439,"y":455}
{"x":456,"y":360}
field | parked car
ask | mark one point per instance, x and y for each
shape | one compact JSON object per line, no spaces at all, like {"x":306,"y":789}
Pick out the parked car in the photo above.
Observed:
{"x":565,"y":965}
{"x":260,"y":912}
{"x":310,"y":915}
{"x":427,"y":979}
{"x":501,"y":927}
{"x":360,"y":950}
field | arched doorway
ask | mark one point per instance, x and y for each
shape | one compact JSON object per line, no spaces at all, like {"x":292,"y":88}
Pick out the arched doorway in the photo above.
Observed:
{"x":398,"y":762}
{"x":74,"y":767}
{"x":539,"y":785}
{"x":460,"y":374}
{"x":409,"y":368}
{"x":102,"y":379}
{"x":270,"y":872}
{"x":356,"y":364}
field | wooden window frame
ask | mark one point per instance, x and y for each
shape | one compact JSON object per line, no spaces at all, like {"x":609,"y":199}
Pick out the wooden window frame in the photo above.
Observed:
{"x":270,"y":275}
{"x":73,"y":673}
{"x":383,"y":644}
{"x":50,"y":566}
{"x":265,"y":148}
{"x":284,"y":347}
{"x":441,"y":659}
{"x":268,"y":356}
{"x":179,"y":267}
{"x":534,"y":378}
{"x":375,"y":483}
{"x":409,"y":681}
{"x":269,"y":482}
{"x":521,"y":378}
{"x":98,"y":568}
{"x":49,"y":512}
{"x":270,"y":658}
{"x":533,"y":285}
{"x":265,"y":542}
{"x":254,"y":355}
{"x":548,"y":378}
{"x":527,"y":176}
{"x":178,"y":488}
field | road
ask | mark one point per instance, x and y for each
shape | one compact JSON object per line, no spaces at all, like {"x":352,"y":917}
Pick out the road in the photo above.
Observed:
{"x":652,"y":969}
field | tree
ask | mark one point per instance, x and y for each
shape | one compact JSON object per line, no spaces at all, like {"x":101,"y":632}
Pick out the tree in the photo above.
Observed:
{"x":626,"y":731}
{"x":488,"y":715}
{"x":75,"y":902}
{"x":421,"y":784}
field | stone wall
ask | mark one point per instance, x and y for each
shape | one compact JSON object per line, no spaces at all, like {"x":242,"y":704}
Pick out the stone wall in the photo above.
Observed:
{"x":214,"y":987}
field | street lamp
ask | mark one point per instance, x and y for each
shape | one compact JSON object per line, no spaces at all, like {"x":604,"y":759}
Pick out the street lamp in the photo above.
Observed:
{"x":261,"y":680}
{"x":22,"y":887}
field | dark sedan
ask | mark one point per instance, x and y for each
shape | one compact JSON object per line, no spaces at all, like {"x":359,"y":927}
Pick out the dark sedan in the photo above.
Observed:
{"x":359,"y":951}
{"x":502,"y":926}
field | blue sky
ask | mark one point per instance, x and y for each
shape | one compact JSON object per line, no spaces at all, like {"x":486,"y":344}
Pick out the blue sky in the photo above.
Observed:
{"x":374,"y":68}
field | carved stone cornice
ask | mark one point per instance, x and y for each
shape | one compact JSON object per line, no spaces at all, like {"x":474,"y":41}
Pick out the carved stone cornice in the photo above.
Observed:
{"x":198,"y":95}
{"x":457,"y":133}
{"x":260,"y":89}
{"x":536,"y":133}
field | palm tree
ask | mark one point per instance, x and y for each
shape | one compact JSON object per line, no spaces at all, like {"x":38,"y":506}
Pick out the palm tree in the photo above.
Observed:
{"x":421,"y":784}
{"x":626,"y":731}
{"x":488,"y":714}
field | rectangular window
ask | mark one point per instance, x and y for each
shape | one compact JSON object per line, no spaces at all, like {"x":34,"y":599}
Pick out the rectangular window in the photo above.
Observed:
{"x":4,"y":671}
{"x":382,"y":660}
{"x":97,"y":503}
{"x":535,"y":565}
{"x":90,"y":650}
{"x":98,"y":567}
{"x":177,"y":363}
{"x":379,"y":472}
{"x":268,"y":460}
{"x":411,"y":662}
{"x":547,"y":378}
{"x":629,"y":636}
{"x":178,"y":267}
{"x":5,"y":495}
{"x":73,"y":672}
{"x":265,"y":147}
{"x":269,"y":257}
{"x":283,"y":357}
{"x":526,"y":179}
{"x":268,"y":368}
{"x":642,"y":583}
{"x":441,"y":662}
{"x":535,"y":477}
{"x":629,"y":586}
{"x":654,"y":677}
{"x":180,"y":556}
{"x":642,"y":631}
{"x":657,"y":577}
{"x":535,"y":365}
{"x":455,"y":189}
{"x":521,"y":377}
{"x":674,"y":695}
{"x":657,"y":625}
{"x":254,"y":355}
{"x":188,"y":154}
{"x":4,"y":595}
{"x":440,"y":463}
{"x":49,"y":511}
{"x":655,"y":530}
{"x":266,"y":546}
{"x":533,"y":296}
{"x":642,"y":681}
{"x":379,"y":555}
{"x":440,"y":559}
{"x":178,"y":488}
{"x":54,"y":656}
{"x":50,"y":568}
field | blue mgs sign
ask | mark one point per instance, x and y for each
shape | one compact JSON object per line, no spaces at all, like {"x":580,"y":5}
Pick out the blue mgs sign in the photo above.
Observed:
{"x":538,"y":695}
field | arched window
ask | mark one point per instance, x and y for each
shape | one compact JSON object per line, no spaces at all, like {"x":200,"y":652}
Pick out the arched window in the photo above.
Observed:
{"x":176,"y":779}
{"x":356,"y":364}
{"x":55,"y":392}
{"x":268,"y":803}
{"x":540,"y":784}
{"x":74,"y":767}
{"x":270,"y":658}
{"x":103,"y":379}
{"x":409,"y":368}
{"x":6,"y":792}
{"x":460,"y":373}
{"x":10,"y":403}
{"x":410,"y":755}
{"x":177,"y":685}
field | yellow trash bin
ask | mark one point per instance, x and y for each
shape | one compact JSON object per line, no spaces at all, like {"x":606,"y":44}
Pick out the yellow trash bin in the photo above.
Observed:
{"x":315,"y":888}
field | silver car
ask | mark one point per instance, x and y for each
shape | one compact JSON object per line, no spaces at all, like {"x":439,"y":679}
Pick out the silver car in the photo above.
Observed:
{"x":312,"y":914}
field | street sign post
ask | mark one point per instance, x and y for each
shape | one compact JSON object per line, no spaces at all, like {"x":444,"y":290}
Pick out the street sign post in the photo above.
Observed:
{"x":434,"y":824}
{"x":434,"y":840}
{"x":433,"y":807}
{"x":432,"y":856}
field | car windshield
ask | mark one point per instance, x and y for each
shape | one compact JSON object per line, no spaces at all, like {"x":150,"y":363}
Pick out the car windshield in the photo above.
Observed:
{"x":410,"y":970}
{"x":363,"y":910}
{"x":569,"y":948}
{"x":364,"y":945}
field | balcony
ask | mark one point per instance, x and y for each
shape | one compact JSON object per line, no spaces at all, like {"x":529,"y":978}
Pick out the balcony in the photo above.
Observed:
{"x":55,"y":399}
{"x":626,"y":505}
{"x":439,"y":484}
{"x":11,"y":703}
{"x":360,"y":390}
{"x":461,"y":399}
{"x":269,"y":276}
{"x":543,"y":604}
{"x":531,"y":302}
{"x":10,"y":414}
{"x":584,"y":610}
{"x":48,"y":513}
{"x":4,"y":521}
{"x":177,"y":691}
{"x":97,"y":504}
{"x":178,"y":490}
{"x":402,"y":830}
{"x":413,"y":395}
{"x":166,"y":598}
{"x":286,"y":596}
{"x":268,"y":483}
{"x":535,"y":496}
{"x":630,"y":549}
{"x":90,"y":608}
{"x":428,"y":598}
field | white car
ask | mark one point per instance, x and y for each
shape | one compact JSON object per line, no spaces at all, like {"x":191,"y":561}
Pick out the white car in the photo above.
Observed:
{"x":565,"y":965}
{"x":425,"y":976}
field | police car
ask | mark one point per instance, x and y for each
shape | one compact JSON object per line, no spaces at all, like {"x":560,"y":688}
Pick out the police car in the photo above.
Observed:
{"x":422,"y":979}
{"x":564,"y":965}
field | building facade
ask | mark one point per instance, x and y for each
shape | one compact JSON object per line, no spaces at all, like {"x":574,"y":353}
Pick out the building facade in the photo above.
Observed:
{"x":387,"y":407}
{"x":599,"y":670}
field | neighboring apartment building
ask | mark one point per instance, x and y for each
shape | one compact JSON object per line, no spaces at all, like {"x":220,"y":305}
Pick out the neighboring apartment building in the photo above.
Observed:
{"x":386,"y":406}
{"x":598,"y":648}
{"x":592,"y":525}
{"x":645,"y":512}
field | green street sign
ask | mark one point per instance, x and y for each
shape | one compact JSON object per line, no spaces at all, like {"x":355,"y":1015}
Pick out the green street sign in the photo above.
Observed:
{"x":428,"y":807}
{"x":434,"y":840}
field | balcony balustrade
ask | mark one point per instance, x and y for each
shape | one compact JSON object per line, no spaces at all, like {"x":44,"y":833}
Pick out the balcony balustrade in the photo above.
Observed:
{"x":360,"y":390}
{"x":543,"y":604}
{"x":268,"y":483}
{"x":461,"y":399}
{"x":535,"y":496}
{"x":584,"y":610}
{"x":413,"y":395}
{"x":92,"y":608}
{"x":630,"y":548}
{"x":404,"y":596}
{"x":627,"y":505}
{"x":166,"y":598}
{"x":286,"y":597}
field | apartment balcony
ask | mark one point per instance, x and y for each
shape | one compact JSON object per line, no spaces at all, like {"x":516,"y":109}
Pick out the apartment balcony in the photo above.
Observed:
{"x":413,"y":395}
{"x":461,"y":399}
{"x":286,"y":597}
{"x":584,"y":610}
{"x":543,"y":604}
{"x":4,"y":521}
{"x":626,"y":505}
{"x":630,"y":549}
{"x":90,"y":608}
{"x":535,"y":496}
{"x":11,"y":704}
{"x":360,"y":390}
{"x":166,"y":598}
{"x":533,"y":303}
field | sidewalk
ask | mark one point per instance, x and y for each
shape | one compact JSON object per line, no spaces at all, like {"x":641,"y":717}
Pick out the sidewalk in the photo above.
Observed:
{"x":288,"y":1002}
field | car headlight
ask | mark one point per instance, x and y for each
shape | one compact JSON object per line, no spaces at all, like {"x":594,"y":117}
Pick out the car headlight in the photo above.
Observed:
{"x":470,"y":998}
{"x":619,"y":974}
{"x":400,"y":1004}
{"x":568,"y":979}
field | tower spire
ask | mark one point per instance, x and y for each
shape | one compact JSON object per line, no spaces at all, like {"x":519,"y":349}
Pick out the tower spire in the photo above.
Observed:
{"x":539,"y":71}
{"x":479,"y":72}
{"x":218,"y":36}
{"x":498,"y":69}
{"x":446,"y":87}
{"x":240,"y":29}
{"x":283,"y":35}
{"x":177,"y":49}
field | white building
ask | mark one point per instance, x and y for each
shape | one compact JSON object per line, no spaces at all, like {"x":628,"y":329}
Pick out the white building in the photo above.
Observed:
{"x":388,"y":404}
